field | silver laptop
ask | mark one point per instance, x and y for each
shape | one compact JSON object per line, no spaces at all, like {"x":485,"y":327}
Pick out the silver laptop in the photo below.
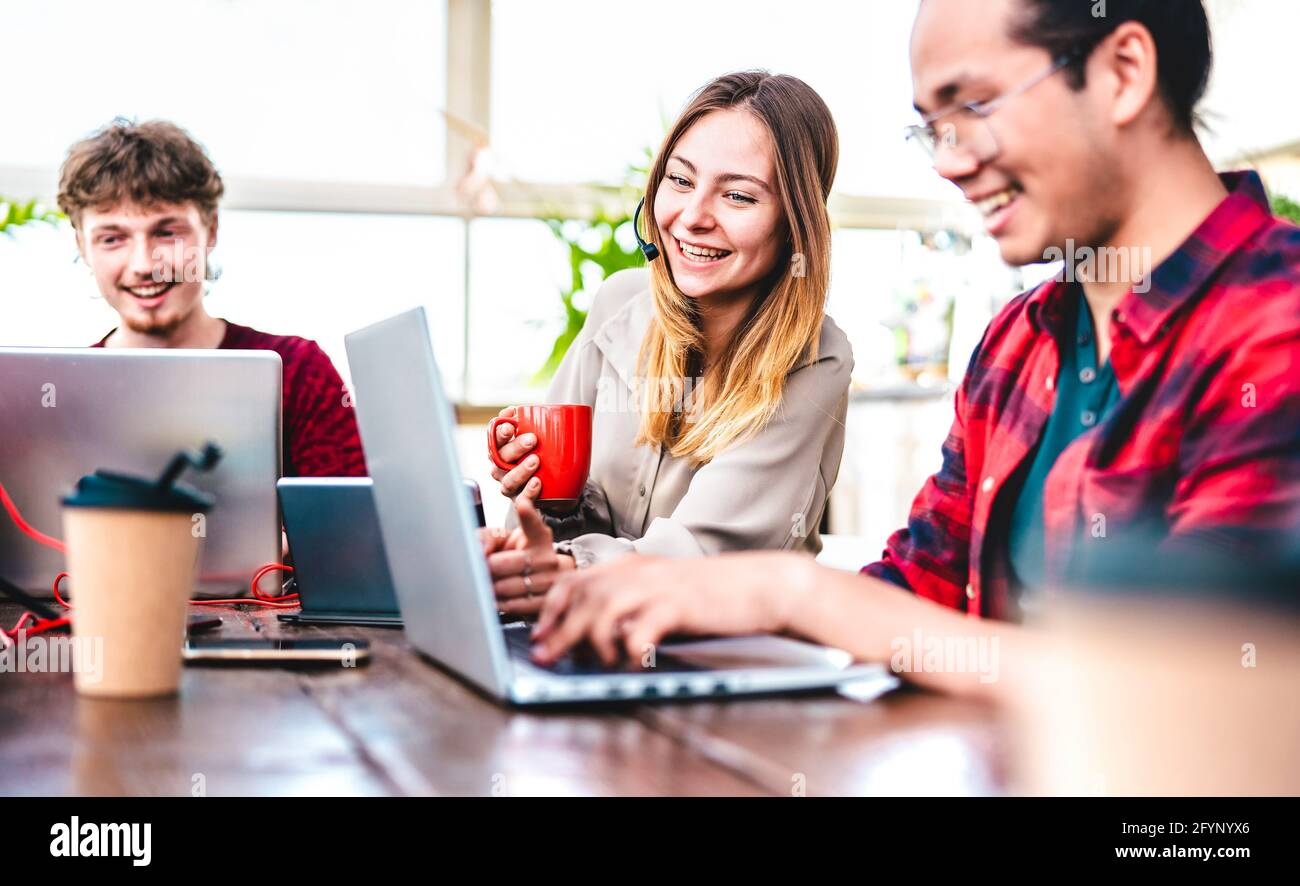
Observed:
{"x":68,"y":411}
{"x":339,"y":568}
{"x":443,"y":588}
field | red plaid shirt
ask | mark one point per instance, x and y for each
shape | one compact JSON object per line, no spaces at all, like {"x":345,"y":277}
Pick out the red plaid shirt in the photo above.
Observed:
{"x":1205,"y":441}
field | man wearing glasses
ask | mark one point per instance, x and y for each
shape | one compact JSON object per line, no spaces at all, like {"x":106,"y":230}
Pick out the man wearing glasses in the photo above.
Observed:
{"x":1153,"y":397}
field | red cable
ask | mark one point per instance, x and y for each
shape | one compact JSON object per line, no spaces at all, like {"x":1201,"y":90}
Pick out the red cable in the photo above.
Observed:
{"x":40,"y":626}
{"x":27,"y":529}
{"x":34,"y":534}
{"x":62,"y":602}
{"x":18,"y":627}
{"x":259,"y":598}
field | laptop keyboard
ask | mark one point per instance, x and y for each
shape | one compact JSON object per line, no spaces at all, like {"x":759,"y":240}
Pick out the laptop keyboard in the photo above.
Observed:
{"x":519,"y":644}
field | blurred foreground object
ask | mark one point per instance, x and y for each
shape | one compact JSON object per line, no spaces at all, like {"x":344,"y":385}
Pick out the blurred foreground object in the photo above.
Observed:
{"x":1186,"y":687}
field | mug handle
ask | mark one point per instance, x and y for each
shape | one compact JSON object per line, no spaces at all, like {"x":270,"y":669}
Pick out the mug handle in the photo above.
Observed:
{"x":493,"y":452}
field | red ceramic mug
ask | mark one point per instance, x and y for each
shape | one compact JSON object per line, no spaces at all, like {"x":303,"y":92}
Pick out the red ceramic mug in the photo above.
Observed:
{"x":563,"y":450}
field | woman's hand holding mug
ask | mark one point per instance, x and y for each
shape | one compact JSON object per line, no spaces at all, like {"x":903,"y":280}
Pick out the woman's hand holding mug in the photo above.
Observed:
{"x":543,"y":453}
{"x":518,"y":449}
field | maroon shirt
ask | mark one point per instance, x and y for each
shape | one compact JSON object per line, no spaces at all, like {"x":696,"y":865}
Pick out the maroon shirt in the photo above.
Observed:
{"x":320,"y":427}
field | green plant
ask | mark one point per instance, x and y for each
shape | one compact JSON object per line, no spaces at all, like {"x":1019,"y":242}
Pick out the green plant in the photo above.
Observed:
{"x":594,"y":247}
{"x":601,"y":245}
{"x":1286,"y":208}
{"x":13,"y":214}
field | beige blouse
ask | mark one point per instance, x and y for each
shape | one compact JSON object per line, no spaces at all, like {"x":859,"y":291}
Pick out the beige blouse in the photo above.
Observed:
{"x":767,"y":492}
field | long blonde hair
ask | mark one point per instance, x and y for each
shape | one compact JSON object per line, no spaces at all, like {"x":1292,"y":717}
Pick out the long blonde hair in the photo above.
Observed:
{"x":742,"y":391}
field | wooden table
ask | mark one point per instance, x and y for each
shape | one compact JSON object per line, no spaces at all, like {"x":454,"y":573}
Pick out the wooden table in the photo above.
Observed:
{"x":401,"y":725}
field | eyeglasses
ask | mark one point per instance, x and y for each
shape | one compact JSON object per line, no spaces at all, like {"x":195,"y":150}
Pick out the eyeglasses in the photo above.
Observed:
{"x":966,"y":127}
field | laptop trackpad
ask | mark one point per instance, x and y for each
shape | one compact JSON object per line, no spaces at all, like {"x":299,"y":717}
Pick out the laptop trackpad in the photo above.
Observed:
{"x":758,"y":651}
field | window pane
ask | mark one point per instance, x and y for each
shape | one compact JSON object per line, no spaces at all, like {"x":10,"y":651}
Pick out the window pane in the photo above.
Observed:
{"x":322,"y":275}
{"x":46,"y":299}
{"x":604,"y":99}
{"x":319,"y":276}
{"x":1251,"y":40}
{"x":887,"y":280}
{"x":331,"y":90}
{"x":518,"y":269}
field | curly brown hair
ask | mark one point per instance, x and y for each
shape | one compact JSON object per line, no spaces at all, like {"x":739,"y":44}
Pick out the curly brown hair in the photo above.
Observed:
{"x":143,"y":163}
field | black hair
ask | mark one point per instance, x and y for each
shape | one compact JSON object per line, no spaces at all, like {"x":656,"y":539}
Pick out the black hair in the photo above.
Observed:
{"x":1179,"y":28}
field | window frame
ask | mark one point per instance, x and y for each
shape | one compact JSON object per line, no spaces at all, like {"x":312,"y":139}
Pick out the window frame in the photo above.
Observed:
{"x":468,"y":105}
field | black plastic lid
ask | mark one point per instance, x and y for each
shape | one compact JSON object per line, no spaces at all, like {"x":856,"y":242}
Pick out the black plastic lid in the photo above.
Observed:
{"x":107,"y":489}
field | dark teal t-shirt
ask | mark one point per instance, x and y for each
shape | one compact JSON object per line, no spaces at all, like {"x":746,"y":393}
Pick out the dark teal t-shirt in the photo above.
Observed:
{"x":1085,"y":394}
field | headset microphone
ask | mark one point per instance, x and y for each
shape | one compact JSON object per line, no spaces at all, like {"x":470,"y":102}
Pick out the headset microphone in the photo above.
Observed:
{"x":649,"y":250}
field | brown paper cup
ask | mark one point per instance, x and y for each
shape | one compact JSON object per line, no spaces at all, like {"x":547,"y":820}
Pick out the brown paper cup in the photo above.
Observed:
{"x":131,"y":576}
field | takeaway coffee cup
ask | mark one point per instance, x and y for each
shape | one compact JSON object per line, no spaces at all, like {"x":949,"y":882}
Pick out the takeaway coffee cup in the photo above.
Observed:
{"x":131,"y":553}
{"x":563,"y":450}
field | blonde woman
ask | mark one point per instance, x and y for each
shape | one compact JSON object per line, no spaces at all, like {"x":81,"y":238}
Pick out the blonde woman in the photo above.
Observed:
{"x":719,"y":385}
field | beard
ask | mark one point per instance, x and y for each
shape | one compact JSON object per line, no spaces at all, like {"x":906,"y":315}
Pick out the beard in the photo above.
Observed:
{"x":157,"y":328}
{"x":164,"y":323}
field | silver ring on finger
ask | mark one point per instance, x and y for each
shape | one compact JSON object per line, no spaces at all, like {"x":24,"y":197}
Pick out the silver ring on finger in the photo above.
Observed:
{"x":528,"y":586}
{"x":528,"y":564}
